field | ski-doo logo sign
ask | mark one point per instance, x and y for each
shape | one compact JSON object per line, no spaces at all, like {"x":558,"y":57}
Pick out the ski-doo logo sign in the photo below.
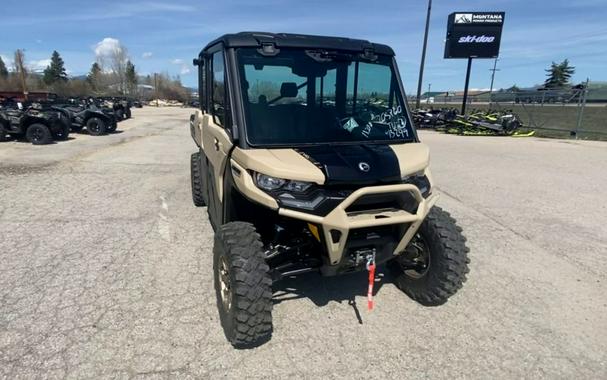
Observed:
{"x":476,"y":39}
{"x":474,"y":34}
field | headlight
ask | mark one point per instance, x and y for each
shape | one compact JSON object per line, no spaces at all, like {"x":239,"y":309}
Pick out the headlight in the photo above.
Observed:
{"x":297,"y":186}
{"x":268,"y":183}
{"x":265,"y":182}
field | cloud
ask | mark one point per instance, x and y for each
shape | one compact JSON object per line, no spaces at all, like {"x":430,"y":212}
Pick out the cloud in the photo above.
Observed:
{"x":185,"y":69}
{"x":107,"y":47}
{"x":38,"y":66}
{"x":146,"y":55}
{"x":154,"y":6}
{"x":101,"y":11}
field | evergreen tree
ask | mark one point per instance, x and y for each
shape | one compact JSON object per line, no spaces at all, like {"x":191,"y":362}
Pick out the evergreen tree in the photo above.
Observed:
{"x":514,"y":88}
{"x":559,"y":74}
{"x":94,"y":76}
{"x":55,"y":72}
{"x":131,"y":76}
{"x":3,"y":70}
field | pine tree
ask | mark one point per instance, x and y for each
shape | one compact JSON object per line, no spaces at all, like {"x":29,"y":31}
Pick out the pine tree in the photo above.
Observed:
{"x":3,"y":70}
{"x":94,"y":76}
{"x":559,"y":74}
{"x":514,"y":88}
{"x":131,"y":76}
{"x":55,"y":72}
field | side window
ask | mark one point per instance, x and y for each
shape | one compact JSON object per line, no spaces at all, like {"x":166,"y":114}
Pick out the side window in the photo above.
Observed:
{"x":325,"y":89}
{"x":218,"y":89}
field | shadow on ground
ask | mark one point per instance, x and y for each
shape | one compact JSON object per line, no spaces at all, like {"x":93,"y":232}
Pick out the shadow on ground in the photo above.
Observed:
{"x":322,"y":290}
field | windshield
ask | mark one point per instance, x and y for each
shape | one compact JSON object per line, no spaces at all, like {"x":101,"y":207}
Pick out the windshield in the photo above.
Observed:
{"x":309,"y":97}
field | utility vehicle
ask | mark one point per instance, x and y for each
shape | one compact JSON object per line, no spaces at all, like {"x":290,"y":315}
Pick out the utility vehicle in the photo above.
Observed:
{"x":308,"y":162}
{"x":37,"y":123}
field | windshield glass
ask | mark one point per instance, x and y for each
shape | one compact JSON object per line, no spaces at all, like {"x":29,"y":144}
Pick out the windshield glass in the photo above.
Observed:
{"x":309,"y":97}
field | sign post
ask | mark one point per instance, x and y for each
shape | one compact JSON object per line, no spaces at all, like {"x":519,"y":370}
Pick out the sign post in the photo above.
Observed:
{"x":466,"y":86}
{"x":473,"y":35}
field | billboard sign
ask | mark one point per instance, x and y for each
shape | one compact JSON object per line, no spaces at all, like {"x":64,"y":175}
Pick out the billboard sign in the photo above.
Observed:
{"x":474,"y":34}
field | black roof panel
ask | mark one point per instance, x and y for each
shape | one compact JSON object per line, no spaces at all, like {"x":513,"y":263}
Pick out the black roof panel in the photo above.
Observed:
{"x":254,"y":39}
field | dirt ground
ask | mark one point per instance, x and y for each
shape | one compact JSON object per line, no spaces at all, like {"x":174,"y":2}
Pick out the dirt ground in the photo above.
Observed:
{"x":105,"y":269}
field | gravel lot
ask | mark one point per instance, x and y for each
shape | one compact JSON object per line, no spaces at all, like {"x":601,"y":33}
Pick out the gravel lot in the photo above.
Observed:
{"x":105,"y":269}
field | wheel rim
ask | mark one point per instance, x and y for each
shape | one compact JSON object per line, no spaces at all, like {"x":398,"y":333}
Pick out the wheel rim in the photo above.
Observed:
{"x":224,"y":281}
{"x":37,"y":134}
{"x":94,"y":126}
{"x":415,"y":261}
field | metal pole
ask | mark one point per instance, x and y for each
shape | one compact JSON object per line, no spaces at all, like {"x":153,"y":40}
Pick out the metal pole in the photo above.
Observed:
{"x":581,"y":111}
{"x":466,"y":86}
{"x":428,"y":97}
{"x":156,"y":88}
{"x":492,"y":78}
{"x":421,"y":67}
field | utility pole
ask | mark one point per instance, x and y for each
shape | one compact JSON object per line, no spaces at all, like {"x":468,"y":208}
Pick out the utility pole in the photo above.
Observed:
{"x":493,"y":70}
{"x":421,"y":67}
{"x":156,"y":88}
{"x":428,"y":97}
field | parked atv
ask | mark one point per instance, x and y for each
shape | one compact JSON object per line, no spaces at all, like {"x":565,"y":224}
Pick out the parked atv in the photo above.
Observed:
{"x":83,"y":114}
{"x":37,"y":124}
{"x":121,"y":106}
{"x":313,"y":172}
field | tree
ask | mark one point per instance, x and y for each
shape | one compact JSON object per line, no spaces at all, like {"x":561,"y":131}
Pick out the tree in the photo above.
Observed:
{"x":514,"y":88}
{"x":559,"y":74}
{"x":55,"y":72}
{"x":113,"y":62}
{"x":3,"y":70}
{"x":131,"y":77}
{"x":20,"y":70}
{"x":94,"y":76}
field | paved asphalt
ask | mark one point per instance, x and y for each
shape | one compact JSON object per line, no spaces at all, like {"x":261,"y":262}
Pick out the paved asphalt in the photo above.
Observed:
{"x":105,"y":269}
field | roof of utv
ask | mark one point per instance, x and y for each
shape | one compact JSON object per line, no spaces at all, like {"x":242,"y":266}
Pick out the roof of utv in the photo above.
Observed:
{"x":256,"y":39}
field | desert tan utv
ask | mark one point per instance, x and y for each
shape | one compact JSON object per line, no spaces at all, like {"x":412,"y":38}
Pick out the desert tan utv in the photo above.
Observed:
{"x":308,"y":162}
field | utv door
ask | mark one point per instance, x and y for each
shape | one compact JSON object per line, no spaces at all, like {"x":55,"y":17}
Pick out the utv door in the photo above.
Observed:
{"x":215,"y":138}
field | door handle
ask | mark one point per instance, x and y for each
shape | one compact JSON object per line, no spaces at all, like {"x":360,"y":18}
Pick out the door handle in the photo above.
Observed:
{"x":216,"y":143}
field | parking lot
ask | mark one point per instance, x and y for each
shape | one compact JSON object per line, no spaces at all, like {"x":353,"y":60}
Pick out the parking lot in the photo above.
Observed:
{"x":105,"y":269}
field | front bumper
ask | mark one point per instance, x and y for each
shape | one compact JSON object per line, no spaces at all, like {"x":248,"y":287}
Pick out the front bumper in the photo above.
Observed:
{"x":339,"y":223}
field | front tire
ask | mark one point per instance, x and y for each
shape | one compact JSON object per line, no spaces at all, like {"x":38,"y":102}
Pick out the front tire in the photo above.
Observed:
{"x":435,"y":263}
{"x":63,"y":133}
{"x":3,"y":132}
{"x":111,"y":128}
{"x":38,"y":134}
{"x":196,"y":177}
{"x":96,"y":126}
{"x":243,"y":285}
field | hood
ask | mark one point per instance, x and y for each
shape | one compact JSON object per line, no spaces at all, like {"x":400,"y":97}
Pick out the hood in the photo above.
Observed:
{"x":354,"y":164}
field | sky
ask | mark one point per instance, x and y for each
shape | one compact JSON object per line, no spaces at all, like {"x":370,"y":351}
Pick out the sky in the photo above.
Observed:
{"x":164,"y":36}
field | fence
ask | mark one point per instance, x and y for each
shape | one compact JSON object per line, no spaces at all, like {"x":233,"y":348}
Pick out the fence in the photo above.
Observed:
{"x":577,"y":113}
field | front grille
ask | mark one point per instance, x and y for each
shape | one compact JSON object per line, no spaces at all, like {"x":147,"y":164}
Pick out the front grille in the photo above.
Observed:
{"x":387,"y":201}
